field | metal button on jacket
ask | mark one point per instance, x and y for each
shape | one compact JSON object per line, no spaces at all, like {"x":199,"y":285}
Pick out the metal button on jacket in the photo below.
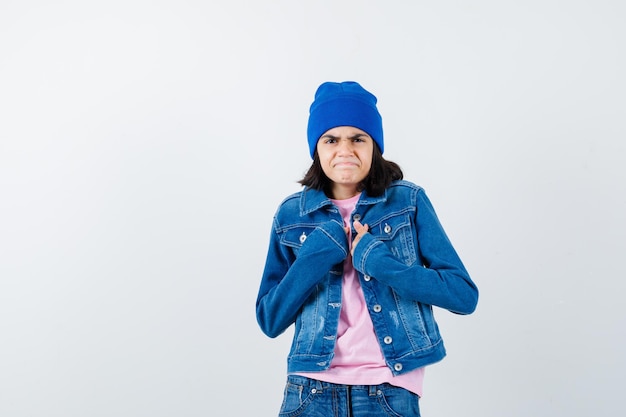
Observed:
{"x":367,"y":277}
{"x":302,"y":237}
{"x":377,"y":308}
{"x":398,"y":367}
{"x":357,"y":217}
{"x":387,"y":228}
{"x":388,"y":340}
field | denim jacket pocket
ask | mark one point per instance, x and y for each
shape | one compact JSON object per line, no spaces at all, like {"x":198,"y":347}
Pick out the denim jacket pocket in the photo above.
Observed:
{"x":294,"y":237}
{"x":396,"y":232}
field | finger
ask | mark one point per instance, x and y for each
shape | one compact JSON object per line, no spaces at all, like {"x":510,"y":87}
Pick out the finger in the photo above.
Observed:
{"x":361,"y":229}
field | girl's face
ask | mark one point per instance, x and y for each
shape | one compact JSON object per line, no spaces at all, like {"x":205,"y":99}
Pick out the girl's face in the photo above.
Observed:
{"x":345,"y":154}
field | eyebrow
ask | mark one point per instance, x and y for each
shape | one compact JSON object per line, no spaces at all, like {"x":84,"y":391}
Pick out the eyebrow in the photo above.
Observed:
{"x":355,"y":136}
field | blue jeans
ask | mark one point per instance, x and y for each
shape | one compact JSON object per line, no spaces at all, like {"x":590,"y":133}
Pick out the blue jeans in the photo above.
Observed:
{"x":305,"y":397}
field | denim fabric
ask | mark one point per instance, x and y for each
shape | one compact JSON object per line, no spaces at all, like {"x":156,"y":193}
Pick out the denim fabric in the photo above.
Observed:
{"x":305,"y":397}
{"x":406,"y":265}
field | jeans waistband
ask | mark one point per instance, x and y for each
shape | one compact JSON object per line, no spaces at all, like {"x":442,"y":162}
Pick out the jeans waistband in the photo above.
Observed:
{"x":322,"y":385}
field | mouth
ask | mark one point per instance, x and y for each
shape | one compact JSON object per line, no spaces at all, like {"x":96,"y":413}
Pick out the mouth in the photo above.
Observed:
{"x":346,"y":164}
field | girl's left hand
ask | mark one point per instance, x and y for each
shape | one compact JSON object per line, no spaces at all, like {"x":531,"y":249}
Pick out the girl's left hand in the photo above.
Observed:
{"x":361,"y":229}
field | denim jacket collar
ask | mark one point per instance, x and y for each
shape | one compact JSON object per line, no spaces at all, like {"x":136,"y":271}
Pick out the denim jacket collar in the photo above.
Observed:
{"x":312,"y":200}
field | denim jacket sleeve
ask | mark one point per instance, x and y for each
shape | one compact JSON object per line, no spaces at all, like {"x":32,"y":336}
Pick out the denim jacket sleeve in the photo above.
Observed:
{"x":440,"y":279}
{"x":291,"y":274}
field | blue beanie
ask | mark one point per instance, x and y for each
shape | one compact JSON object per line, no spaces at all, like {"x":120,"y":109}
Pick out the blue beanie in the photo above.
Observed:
{"x":344,"y":104}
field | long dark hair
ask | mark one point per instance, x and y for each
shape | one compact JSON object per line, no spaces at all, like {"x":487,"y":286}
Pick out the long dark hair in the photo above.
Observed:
{"x":382,"y":173}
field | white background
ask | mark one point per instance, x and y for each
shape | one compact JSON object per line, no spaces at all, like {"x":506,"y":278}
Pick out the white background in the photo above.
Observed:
{"x":144,"y":146}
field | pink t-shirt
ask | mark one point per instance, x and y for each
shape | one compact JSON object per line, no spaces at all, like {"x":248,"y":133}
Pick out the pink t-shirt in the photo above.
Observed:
{"x":358,"y":359}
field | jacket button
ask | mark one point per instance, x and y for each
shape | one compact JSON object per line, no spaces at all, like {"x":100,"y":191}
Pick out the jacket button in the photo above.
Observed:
{"x":398,"y":367}
{"x":367,"y":277}
{"x":387,"y":228}
{"x":377,"y":308}
{"x":357,"y":217}
{"x":302,"y":237}
{"x":387,"y":340}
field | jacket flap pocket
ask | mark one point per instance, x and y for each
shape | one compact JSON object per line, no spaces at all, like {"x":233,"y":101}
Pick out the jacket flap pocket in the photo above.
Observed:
{"x":388,"y":227}
{"x":296,"y":235}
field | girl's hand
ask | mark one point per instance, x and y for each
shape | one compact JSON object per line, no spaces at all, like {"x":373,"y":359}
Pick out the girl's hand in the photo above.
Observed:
{"x":360,"y":231}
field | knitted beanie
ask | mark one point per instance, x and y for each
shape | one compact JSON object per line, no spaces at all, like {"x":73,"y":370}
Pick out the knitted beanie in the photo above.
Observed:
{"x":344,"y":104}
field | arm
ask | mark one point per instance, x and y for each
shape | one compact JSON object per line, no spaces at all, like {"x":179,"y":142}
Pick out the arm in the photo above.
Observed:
{"x":288,"y":280}
{"x":442,"y":281}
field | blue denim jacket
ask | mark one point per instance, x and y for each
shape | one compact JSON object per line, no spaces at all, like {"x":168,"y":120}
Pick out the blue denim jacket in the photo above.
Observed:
{"x":406,"y":264}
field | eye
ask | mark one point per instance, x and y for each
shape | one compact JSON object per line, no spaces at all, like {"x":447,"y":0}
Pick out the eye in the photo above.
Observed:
{"x":330,"y":140}
{"x":359,"y":138}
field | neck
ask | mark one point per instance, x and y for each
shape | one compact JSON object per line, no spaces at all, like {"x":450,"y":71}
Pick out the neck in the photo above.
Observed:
{"x":343,"y":193}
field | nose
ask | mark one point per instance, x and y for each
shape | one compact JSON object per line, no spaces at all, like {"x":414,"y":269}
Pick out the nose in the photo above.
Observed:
{"x":345,"y":146}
